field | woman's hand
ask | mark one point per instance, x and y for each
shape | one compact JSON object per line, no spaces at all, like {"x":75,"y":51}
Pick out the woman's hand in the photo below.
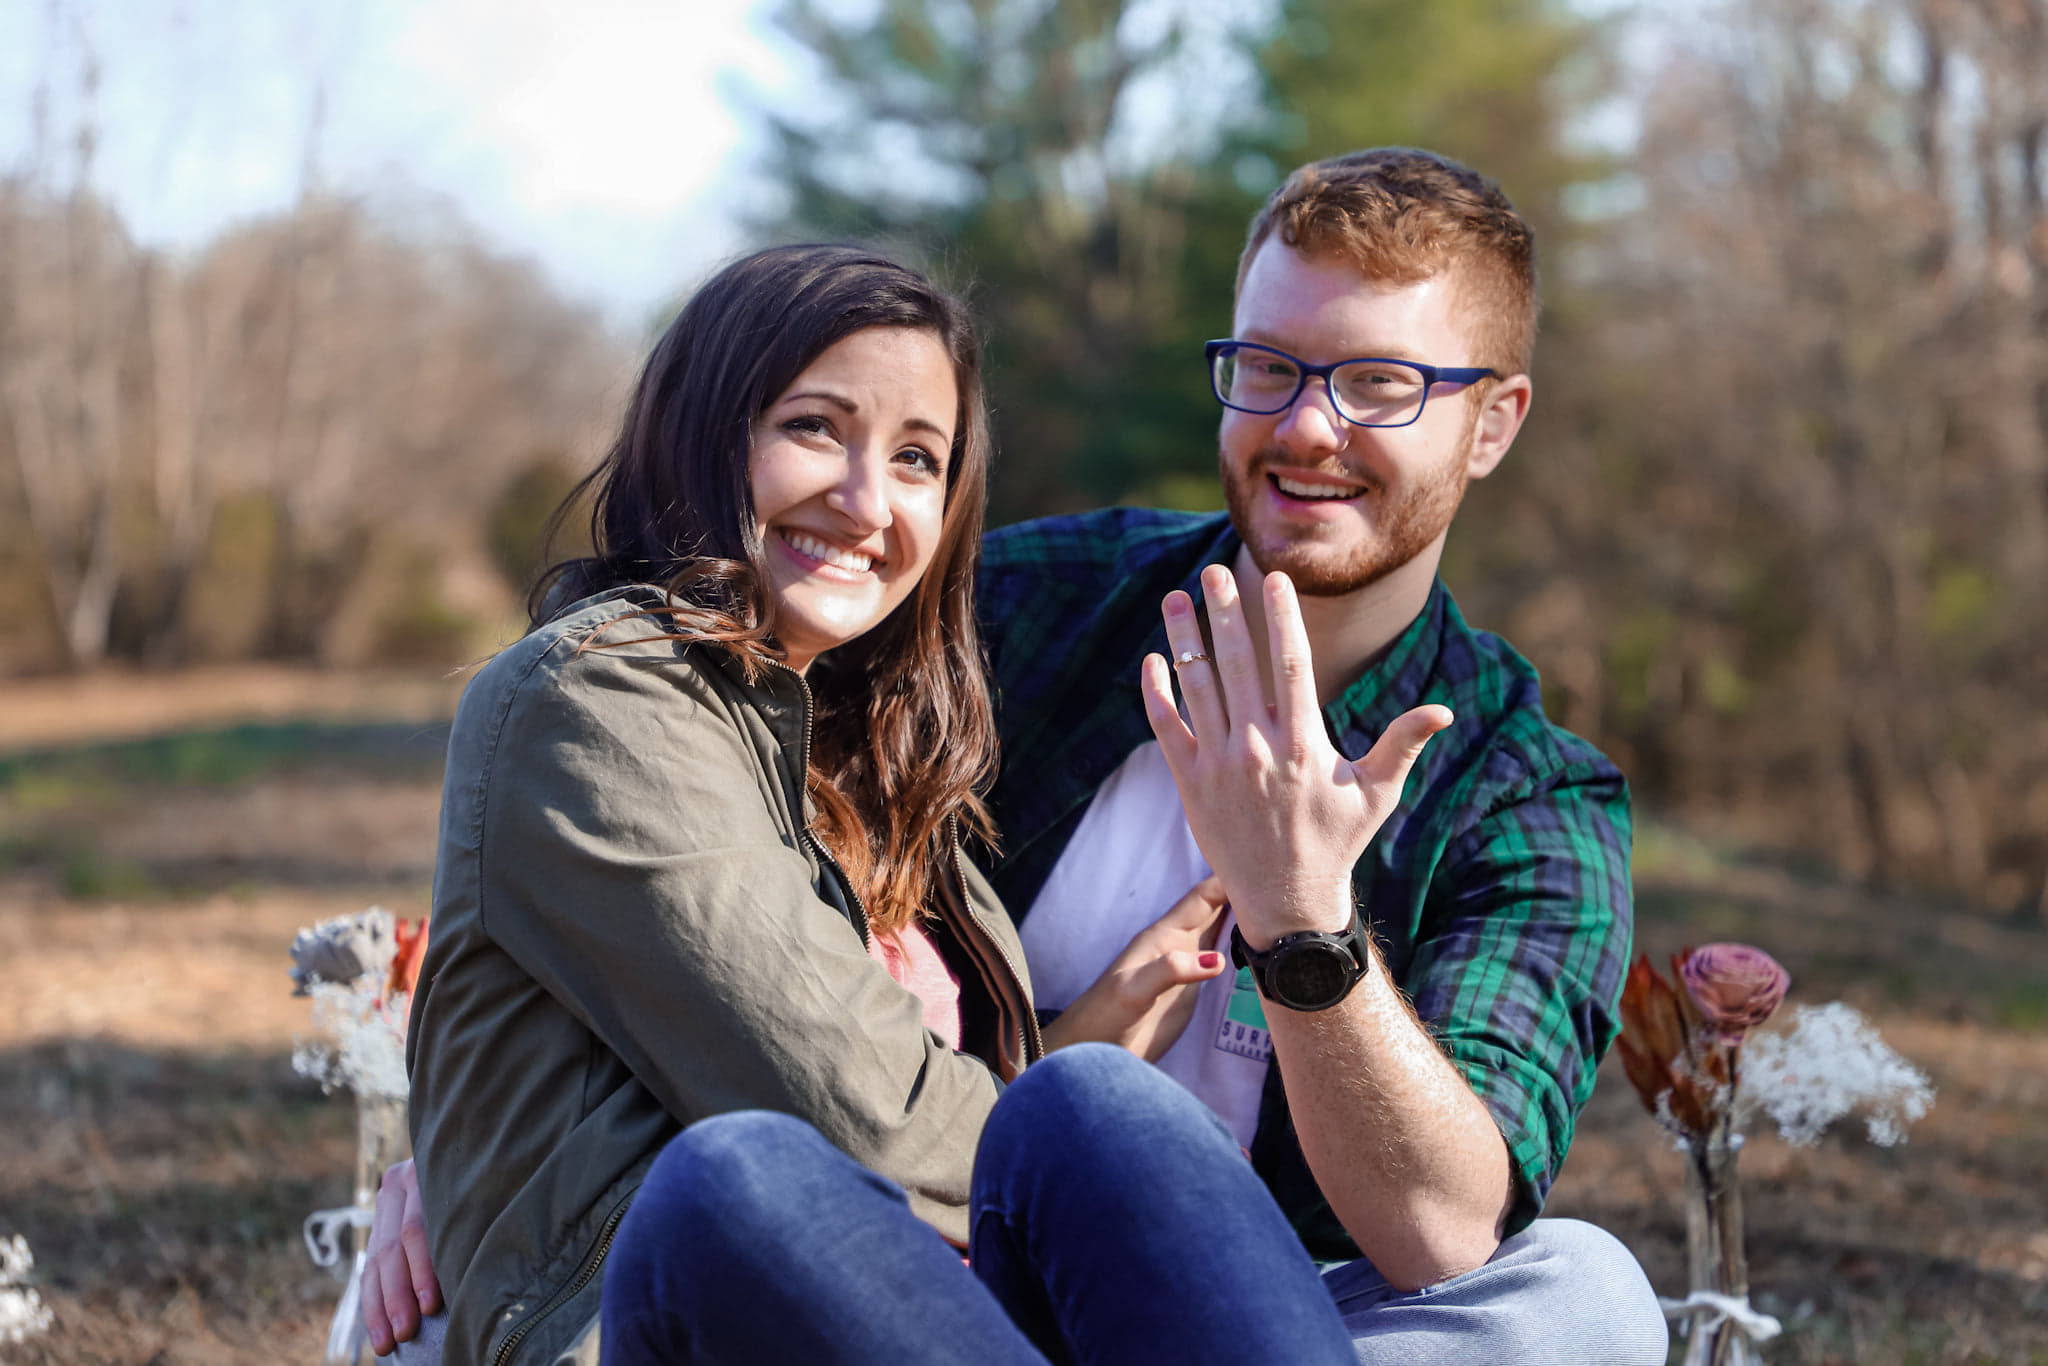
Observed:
{"x":1144,"y":998}
{"x":398,"y":1273}
{"x":1281,"y":815}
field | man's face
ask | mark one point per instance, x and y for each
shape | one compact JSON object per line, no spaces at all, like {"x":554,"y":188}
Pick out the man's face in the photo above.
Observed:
{"x":1335,"y":505}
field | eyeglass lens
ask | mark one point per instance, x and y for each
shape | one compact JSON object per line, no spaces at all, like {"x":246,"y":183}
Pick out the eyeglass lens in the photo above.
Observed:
{"x":1368,"y":392}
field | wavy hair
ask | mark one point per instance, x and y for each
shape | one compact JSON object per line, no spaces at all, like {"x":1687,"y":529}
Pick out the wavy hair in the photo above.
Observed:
{"x":903,"y":737}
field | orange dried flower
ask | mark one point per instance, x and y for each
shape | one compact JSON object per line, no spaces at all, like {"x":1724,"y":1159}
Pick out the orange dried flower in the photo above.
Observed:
{"x":412,"y":948}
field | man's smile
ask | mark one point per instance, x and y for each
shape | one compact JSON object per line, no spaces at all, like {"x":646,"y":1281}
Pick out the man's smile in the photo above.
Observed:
{"x":1319,"y":489}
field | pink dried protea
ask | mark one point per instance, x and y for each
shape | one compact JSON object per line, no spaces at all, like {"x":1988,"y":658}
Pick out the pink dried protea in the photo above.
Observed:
{"x":1735,"y":987}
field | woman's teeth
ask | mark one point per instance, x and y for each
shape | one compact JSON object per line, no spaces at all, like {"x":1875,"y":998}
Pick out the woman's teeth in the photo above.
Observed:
{"x":1295,"y":488}
{"x":831,"y":554}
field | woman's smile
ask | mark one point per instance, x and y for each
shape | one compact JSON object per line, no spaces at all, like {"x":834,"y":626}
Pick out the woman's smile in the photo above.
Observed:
{"x":853,"y":562}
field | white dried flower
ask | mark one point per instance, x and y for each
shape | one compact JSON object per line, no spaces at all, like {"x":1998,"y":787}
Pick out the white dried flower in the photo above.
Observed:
{"x":22,"y":1313}
{"x":1831,"y":1064}
{"x":365,"y":1045}
{"x":344,"y":949}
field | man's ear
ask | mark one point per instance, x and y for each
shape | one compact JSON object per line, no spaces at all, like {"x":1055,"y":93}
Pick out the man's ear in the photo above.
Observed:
{"x":1500,"y":418}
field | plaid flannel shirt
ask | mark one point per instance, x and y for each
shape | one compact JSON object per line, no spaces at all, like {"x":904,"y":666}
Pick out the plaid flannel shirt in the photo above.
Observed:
{"x":1498,"y":892}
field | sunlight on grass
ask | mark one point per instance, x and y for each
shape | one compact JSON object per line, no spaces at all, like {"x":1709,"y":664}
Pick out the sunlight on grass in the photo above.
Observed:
{"x":1664,"y":853}
{"x":81,"y":774}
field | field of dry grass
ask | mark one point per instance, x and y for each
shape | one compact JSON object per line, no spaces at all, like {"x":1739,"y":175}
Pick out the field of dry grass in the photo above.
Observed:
{"x":158,"y":849}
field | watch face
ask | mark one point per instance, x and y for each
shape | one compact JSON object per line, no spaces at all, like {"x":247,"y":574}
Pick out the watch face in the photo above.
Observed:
{"x":1313,"y":975}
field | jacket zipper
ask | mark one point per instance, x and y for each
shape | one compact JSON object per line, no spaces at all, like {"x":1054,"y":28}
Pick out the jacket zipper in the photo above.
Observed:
{"x":1020,"y":1000}
{"x":584,"y":1275}
{"x":860,"y":911}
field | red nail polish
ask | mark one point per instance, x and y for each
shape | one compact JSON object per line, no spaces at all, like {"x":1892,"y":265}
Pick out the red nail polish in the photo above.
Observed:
{"x":1210,"y":960}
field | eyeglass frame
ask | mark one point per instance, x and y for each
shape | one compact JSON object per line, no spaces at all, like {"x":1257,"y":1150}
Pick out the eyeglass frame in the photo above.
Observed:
{"x":1432,"y":375}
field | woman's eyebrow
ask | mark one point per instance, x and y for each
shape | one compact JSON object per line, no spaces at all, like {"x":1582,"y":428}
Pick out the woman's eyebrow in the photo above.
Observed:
{"x":848,"y":405}
{"x":837,"y":400}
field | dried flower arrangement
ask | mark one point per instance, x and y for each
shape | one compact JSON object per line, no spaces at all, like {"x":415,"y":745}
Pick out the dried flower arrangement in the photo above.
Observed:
{"x":22,"y":1312}
{"x":360,"y":971}
{"x":1683,"y":1048}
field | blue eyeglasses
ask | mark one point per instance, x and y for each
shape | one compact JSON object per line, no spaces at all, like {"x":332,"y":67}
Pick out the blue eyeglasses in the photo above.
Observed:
{"x":1367,"y":392}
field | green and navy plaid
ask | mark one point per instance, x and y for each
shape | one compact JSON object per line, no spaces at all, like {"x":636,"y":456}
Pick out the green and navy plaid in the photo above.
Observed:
{"x":1499,"y":892}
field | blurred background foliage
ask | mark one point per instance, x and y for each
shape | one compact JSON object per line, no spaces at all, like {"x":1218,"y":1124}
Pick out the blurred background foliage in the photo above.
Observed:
{"x":1769,"y":534}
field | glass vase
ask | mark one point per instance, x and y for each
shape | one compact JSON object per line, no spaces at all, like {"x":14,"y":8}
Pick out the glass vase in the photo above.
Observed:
{"x":382,"y":1138}
{"x":1713,"y":1247}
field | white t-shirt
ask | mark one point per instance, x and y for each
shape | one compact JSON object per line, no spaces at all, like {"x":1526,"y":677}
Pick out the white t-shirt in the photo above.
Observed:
{"x":1130,"y":859}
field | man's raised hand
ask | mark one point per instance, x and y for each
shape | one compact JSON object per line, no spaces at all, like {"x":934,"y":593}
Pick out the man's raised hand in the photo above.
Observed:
{"x":1280,"y":814}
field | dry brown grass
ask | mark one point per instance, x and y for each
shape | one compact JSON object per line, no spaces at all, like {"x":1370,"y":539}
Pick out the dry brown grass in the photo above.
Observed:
{"x":155,"y":1146}
{"x":158,"y":1152}
{"x":39,"y":712}
{"x":1933,"y":1251}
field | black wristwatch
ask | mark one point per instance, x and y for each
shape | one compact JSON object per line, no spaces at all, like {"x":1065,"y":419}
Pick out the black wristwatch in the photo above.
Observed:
{"x":1312,"y":970}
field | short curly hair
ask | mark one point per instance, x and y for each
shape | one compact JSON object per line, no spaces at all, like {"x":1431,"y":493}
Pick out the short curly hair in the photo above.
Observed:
{"x":1400,"y":215}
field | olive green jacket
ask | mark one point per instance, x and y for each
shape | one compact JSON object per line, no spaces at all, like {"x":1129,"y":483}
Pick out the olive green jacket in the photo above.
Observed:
{"x":634,"y":929}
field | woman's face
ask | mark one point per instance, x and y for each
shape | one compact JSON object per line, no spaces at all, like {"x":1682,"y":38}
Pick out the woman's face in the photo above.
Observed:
{"x":849,"y":473}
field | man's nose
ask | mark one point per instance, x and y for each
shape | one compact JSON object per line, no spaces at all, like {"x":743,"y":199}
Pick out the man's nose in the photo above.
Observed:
{"x":1312,"y":421}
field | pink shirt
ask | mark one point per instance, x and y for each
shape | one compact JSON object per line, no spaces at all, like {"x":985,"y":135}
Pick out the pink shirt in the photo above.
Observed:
{"x":917,"y":967}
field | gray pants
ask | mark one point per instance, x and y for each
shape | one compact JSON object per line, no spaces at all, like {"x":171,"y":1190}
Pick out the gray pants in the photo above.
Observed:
{"x":424,"y":1350}
{"x":1561,"y":1291}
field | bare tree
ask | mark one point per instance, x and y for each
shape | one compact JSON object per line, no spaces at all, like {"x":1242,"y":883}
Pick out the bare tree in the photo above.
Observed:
{"x":1833,"y":385}
{"x":66,"y":373}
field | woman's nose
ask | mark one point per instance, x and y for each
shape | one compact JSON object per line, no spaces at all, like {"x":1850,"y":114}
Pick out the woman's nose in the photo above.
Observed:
{"x":862,"y":493}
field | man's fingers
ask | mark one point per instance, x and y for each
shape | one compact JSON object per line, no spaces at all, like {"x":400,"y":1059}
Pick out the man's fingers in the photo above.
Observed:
{"x":1384,"y":769}
{"x":1155,"y":685}
{"x":381,"y":1251}
{"x":401,"y":1304}
{"x":413,"y":1237}
{"x":1199,"y":682}
{"x":396,"y":1264}
{"x":1237,"y":668}
{"x":426,"y":1287}
{"x":376,"y":1324}
{"x":1294,"y":675}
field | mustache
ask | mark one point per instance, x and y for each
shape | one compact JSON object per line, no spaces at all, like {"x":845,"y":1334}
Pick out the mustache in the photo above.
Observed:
{"x":1265,"y":458}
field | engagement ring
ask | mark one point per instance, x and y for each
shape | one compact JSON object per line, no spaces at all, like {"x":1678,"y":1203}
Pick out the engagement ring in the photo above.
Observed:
{"x":1189,"y":657}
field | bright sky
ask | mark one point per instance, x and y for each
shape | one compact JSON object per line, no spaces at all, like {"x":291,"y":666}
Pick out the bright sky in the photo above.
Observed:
{"x":608,"y":138}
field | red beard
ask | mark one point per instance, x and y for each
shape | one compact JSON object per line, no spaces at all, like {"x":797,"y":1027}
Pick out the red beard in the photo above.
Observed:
{"x":1400,"y":527}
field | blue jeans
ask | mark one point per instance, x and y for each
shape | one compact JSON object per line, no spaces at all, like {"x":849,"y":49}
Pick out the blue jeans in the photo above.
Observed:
{"x":1113,"y":1221}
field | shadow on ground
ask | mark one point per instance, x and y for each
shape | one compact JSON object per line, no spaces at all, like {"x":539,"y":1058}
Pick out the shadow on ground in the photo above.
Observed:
{"x":162,"y":1194}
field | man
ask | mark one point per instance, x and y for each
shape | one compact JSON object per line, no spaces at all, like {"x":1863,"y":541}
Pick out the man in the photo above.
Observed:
{"x":1408,"y":1118}
{"x":1498,"y":895}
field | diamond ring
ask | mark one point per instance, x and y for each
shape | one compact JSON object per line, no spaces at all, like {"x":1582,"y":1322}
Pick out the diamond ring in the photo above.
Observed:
{"x":1189,"y":657}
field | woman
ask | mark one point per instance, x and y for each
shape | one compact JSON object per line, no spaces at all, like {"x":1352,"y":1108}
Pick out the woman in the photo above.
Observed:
{"x":700,"y":832}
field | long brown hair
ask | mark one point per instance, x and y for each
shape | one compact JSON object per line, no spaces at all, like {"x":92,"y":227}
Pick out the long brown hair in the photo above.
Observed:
{"x":903,"y":735}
